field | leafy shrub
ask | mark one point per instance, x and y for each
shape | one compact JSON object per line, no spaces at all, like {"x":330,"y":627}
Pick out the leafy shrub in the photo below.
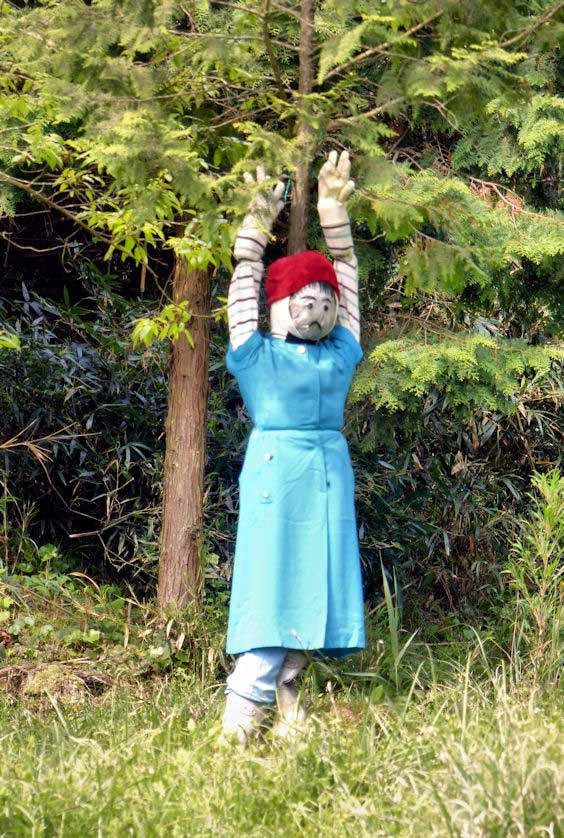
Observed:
{"x":439,"y":490}
{"x":96,"y":408}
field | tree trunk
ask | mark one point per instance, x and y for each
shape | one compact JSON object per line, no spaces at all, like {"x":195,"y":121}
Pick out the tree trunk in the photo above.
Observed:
{"x":300,"y":194}
{"x":180,"y":578}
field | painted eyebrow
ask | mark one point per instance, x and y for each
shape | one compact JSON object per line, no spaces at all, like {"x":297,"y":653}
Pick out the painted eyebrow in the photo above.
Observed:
{"x":325,"y":299}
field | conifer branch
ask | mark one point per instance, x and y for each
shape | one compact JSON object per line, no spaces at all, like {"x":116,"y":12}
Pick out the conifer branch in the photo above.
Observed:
{"x":510,"y":198}
{"x":96,"y":234}
{"x":286,"y":10}
{"x":533,"y":28}
{"x":458,"y":248}
{"x":236,"y":115}
{"x":373,"y":51}
{"x":26,"y":187}
{"x":271,"y":57}
{"x":282,"y":10}
{"x":346,"y":120}
{"x":227,"y":37}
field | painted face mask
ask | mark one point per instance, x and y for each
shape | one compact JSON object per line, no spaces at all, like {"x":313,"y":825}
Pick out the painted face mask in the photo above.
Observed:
{"x":309,"y":314}
{"x":313,"y":310}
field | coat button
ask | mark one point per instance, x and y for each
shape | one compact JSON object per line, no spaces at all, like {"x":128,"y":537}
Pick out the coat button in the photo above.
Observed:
{"x":265,"y":495}
{"x":268,"y":457}
{"x":301,"y":349}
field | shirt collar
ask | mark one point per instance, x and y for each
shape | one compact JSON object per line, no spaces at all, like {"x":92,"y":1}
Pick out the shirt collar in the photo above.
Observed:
{"x":290,"y":338}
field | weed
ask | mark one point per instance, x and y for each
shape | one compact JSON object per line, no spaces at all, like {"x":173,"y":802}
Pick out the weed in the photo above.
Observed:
{"x":536,"y":573}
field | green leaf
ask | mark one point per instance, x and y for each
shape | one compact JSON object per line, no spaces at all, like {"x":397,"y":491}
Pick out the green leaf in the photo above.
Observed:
{"x":9,"y":340}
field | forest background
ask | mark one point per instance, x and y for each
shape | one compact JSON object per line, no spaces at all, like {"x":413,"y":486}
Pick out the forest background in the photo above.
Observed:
{"x":125,"y":128}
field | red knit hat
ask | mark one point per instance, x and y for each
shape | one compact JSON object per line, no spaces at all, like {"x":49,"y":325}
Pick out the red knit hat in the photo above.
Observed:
{"x":290,"y":273}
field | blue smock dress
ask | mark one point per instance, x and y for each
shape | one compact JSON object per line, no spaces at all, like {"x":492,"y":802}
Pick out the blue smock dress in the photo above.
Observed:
{"x":296,"y":578}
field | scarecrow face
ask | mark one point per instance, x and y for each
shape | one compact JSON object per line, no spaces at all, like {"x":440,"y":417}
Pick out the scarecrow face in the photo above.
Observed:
{"x":309,"y":314}
{"x":313,"y":310}
{"x":300,"y":307}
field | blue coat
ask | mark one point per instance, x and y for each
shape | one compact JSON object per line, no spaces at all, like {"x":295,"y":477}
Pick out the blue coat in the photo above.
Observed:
{"x":296,"y":578}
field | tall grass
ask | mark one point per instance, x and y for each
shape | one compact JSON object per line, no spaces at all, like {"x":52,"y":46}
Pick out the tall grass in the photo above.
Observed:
{"x":536,"y":572}
{"x":469,"y":757}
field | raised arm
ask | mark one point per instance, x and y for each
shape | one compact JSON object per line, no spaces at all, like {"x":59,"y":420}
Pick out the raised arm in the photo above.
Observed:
{"x":244,"y":288}
{"x":334,"y":188}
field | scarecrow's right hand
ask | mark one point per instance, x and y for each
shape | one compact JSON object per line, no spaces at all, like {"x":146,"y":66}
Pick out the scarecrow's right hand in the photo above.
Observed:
{"x":334,"y":183}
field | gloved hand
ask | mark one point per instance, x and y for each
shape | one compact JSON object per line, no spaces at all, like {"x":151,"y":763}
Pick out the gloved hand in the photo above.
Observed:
{"x":252,"y":236}
{"x":333,"y":183}
{"x":265,"y":206}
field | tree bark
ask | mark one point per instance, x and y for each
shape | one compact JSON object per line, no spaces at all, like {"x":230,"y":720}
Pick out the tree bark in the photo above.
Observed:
{"x":180,"y":575}
{"x":299,"y":212}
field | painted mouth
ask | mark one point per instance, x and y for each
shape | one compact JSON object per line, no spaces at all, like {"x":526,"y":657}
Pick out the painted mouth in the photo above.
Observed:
{"x":312,"y":331}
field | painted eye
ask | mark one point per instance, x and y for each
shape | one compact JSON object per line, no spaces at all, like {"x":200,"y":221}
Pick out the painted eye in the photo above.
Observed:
{"x":326,"y":308}
{"x":310,"y":305}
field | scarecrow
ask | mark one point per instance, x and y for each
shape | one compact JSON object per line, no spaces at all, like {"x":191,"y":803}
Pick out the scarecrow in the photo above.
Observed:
{"x":296,"y":580}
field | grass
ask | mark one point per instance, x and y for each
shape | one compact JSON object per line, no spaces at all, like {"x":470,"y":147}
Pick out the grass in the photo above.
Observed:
{"x":471,"y":754}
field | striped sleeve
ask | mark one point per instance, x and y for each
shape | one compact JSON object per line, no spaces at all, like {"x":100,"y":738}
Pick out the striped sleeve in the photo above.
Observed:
{"x":244,"y":288}
{"x":337,"y":231}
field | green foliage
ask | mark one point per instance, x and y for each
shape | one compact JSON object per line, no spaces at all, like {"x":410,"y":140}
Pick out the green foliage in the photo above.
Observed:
{"x":95,"y":406}
{"x":524,"y":135}
{"x":169,"y":324}
{"x":535,"y":569}
{"x":101,"y":477}
{"x":474,"y":238}
{"x":468,"y":371}
{"x":205,"y":242}
{"x":340,"y":47}
{"x":137,"y":127}
{"x":8,"y":340}
{"x":439,"y":489}
{"x":128,"y":153}
{"x":49,"y":615}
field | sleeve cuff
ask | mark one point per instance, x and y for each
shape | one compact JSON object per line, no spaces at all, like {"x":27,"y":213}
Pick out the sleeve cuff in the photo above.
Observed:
{"x":333,"y":216}
{"x":345,"y":337}
{"x":246,"y":354}
{"x":250,"y":244}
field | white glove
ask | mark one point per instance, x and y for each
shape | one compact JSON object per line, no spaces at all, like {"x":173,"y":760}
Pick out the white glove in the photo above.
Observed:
{"x":265,"y":206}
{"x":252,"y":236}
{"x":333,"y":183}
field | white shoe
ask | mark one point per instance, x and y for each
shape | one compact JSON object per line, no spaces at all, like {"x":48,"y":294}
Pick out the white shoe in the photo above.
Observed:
{"x":242,"y":720}
{"x":291,"y":714}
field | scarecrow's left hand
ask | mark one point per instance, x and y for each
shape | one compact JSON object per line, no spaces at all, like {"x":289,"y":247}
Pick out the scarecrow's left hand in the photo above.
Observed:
{"x":334,"y":185}
{"x":266,"y":204}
